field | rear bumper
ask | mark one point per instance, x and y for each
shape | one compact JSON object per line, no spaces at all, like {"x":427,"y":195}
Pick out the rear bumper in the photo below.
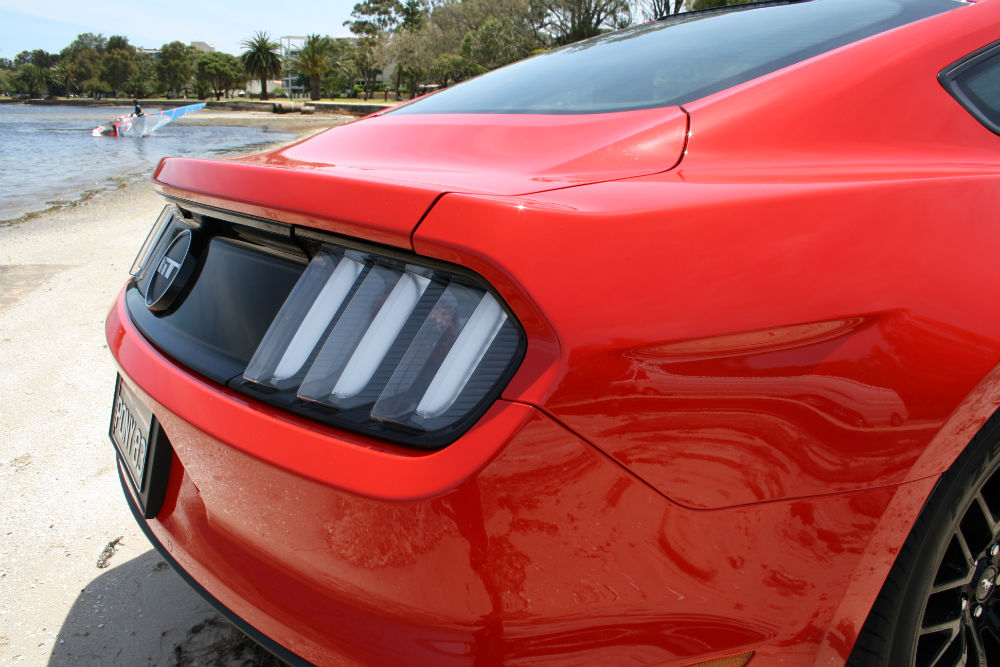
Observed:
{"x":244,"y":627}
{"x":518,"y":544}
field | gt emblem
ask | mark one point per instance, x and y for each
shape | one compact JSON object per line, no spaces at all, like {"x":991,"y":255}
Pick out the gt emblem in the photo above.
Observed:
{"x":172,"y":273}
{"x":168,"y":267}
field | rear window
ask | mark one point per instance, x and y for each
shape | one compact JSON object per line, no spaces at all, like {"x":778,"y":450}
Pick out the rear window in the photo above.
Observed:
{"x":675,"y":60}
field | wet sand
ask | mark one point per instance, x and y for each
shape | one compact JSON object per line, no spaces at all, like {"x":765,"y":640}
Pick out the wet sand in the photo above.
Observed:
{"x":301,"y":124}
{"x":62,"y":514}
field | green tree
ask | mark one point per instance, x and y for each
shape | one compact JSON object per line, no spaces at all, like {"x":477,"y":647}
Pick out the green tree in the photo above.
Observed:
{"x":44,"y":60}
{"x":118,"y":42}
{"x":261,"y":59}
{"x":31,"y":79}
{"x":375,"y":17}
{"x":86,"y":40}
{"x":119,"y":66}
{"x":38,"y":57}
{"x":451,"y":68}
{"x":453,"y":20}
{"x":496,"y":43}
{"x":143,"y":81}
{"x":488,"y":33}
{"x":573,"y":20}
{"x":97,"y":87}
{"x":119,"y":62}
{"x":82,"y":64}
{"x":62,"y":77}
{"x":86,"y":68}
{"x":342,"y":74}
{"x":412,"y":53}
{"x":373,"y":21}
{"x":365,"y":60}
{"x":315,"y":59}
{"x":412,"y":15}
{"x":175,"y":66}
{"x":219,"y":72}
{"x":201,"y":88}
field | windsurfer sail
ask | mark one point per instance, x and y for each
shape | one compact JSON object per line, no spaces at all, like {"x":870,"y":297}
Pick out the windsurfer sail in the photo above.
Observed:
{"x":132,"y":125}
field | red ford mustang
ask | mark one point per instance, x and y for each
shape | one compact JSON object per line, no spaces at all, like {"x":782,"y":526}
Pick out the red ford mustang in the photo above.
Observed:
{"x":675,"y":346}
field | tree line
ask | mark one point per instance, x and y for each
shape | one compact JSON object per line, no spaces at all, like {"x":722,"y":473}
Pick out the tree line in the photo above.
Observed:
{"x":96,"y":66}
{"x":399,"y":45}
{"x":412,"y":43}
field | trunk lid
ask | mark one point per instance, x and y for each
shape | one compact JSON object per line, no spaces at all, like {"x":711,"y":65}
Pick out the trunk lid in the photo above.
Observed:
{"x":382,"y":173}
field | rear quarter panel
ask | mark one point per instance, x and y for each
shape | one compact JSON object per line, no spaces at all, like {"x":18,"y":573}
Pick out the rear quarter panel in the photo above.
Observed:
{"x":803,"y":306}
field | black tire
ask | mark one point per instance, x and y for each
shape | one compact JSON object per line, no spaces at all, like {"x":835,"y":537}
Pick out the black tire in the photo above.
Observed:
{"x":940,"y":605}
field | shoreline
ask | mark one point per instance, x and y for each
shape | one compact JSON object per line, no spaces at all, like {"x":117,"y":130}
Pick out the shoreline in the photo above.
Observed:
{"x":302,"y":126}
{"x":82,"y":583}
{"x":280,"y":106}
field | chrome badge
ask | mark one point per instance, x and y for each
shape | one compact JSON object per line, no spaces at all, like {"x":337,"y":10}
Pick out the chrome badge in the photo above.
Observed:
{"x":171,"y":273}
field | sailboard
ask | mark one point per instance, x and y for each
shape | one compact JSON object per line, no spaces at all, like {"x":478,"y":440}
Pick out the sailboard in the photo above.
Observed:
{"x":131,"y":125}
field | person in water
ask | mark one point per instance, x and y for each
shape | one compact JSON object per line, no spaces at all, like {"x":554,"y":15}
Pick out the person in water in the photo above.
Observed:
{"x":138,"y":109}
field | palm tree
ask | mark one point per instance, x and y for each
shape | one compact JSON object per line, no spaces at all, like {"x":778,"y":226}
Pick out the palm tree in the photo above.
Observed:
{"x":63,"y":75}
{"x":314,"y":60}
{"x":32,"y":79}
{"x":261,"y":59}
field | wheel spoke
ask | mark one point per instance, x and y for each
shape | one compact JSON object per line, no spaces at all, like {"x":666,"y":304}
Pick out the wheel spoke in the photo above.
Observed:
{"x":953,"y":627}
{"x":987,"y":513}
{"x":991,"y":640}
{"x":970,"y":560}
{"x":956,"y":567}
{"x":926,"y":639}
{"x":960,"y":582}
{"x":977,"y":645}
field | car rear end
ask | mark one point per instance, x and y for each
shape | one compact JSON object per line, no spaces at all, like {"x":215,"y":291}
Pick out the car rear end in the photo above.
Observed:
{"x":312,"y":430}
{"x":332,"y":413}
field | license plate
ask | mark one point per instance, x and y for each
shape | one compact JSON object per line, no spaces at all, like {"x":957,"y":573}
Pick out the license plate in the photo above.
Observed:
{"x":130,"y":425}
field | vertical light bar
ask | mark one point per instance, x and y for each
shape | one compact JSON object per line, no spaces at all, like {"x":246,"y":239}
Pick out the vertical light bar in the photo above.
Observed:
{"x":426,"y":353}
{"x":303,"y":318}
{"x":380,"y":335}
{"x":462,"y":359}
{"x":348,"y":334}
{"x":318,"y":318}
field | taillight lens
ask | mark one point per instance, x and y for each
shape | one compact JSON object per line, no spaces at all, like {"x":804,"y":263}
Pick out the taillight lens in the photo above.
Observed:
{"x":405,"y":347}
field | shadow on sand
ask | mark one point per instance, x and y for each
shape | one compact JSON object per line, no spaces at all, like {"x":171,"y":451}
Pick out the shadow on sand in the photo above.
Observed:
{"x":142,"y":613}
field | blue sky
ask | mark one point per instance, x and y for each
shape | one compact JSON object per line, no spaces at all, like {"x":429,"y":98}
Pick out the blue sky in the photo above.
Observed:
{"x":52,"y":24}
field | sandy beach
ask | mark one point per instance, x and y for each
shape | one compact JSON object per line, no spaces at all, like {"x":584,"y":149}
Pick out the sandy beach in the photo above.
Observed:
{"x":301,"y":124}
{"x":79,"y":583}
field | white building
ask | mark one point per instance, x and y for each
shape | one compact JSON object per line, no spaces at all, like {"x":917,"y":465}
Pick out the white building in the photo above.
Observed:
{"x":290,"y":48}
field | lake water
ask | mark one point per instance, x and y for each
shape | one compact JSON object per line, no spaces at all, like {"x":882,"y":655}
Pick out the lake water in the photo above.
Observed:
{"x":48,"y":157}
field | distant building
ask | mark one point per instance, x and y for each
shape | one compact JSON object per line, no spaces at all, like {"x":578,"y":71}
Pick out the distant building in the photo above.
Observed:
{"x":290,"y":48}
{"x":204,"y":47}
{"x":253,"y":86}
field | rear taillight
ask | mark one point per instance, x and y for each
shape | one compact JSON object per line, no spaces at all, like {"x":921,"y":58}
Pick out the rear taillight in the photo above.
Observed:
{"x":370,"y":339}
{"x":406,"y":346}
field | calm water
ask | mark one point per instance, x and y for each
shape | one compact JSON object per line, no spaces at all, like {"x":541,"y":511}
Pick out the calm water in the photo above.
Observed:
{"x":48,"y":157}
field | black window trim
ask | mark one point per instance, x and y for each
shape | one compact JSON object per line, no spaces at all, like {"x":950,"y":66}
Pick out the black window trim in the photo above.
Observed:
{"x":950,"y":76}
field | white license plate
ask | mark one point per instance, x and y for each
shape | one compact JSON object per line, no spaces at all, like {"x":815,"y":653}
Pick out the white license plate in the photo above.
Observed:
{"x":130,"y":424}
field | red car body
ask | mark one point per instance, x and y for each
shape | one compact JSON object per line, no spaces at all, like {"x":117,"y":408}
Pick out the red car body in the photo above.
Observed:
{"x":757,"y":333}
